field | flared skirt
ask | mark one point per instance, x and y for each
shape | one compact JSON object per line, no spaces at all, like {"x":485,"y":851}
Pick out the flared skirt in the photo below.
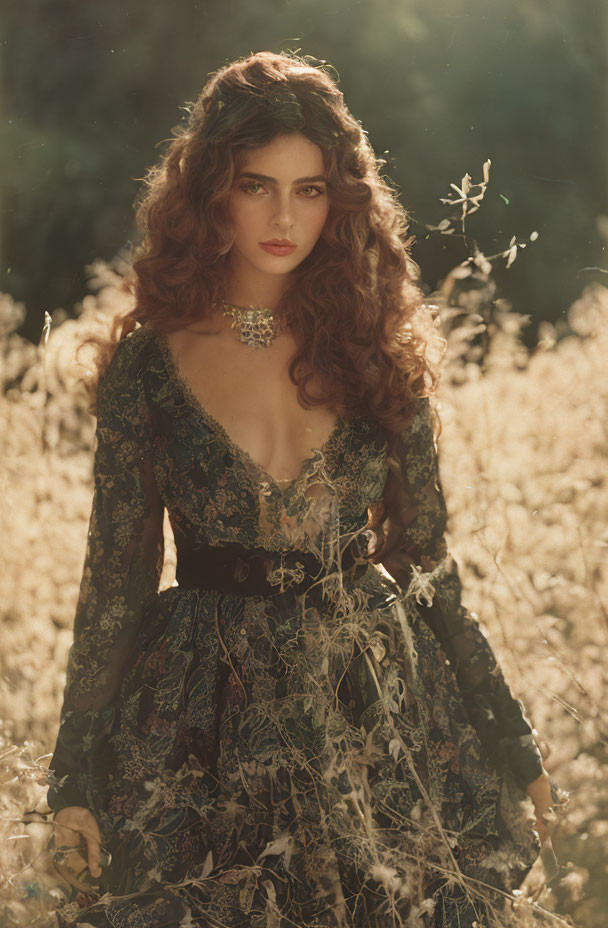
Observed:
{"x":298,"y":761}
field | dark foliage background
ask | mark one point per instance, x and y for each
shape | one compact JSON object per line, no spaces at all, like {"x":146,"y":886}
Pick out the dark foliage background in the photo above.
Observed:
{"x":89,"y":89}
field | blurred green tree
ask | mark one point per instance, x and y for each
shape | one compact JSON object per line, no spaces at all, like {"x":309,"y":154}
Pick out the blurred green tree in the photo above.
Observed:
{"x":89,"y":90}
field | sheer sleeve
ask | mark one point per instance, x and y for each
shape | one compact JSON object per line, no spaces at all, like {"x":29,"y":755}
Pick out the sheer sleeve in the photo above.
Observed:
{"x":417,"y":558}
{"x":122,"y":568}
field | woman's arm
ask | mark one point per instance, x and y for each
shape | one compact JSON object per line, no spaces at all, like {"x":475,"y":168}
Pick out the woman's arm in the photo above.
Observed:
{"x":418,"y":559}
{"x":123,"y":563}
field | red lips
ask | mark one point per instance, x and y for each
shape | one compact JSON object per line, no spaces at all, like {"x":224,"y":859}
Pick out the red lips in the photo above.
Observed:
{"x":279,"y":250}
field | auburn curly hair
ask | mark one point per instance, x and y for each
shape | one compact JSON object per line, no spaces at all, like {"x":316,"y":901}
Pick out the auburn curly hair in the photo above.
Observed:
{"x":355,"y":305}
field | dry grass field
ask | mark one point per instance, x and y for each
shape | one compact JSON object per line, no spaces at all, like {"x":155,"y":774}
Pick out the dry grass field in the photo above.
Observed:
{"x":524,"y":453}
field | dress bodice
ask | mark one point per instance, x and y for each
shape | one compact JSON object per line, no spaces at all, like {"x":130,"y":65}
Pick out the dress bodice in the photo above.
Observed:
{"x":216,"y":493}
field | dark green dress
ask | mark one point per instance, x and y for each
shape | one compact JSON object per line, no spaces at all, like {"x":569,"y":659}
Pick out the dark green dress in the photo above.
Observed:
{"x":319,"y":759}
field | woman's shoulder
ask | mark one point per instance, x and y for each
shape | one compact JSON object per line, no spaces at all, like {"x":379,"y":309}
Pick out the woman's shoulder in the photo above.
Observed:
{"x":131,"y":352}
{"x":416,"y":446}
{"x":420,"y":425}
{"x":120,"y":385}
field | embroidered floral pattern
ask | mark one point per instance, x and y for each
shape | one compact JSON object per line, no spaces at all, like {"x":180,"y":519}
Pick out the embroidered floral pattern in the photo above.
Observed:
{"x":320,"y":759}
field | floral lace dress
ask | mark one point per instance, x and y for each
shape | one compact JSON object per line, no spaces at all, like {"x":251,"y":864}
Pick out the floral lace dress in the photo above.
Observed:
{"x":349,"y":755}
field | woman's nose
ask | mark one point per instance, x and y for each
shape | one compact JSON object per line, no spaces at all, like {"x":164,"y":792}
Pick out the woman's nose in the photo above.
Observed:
{"x":283,"y":210}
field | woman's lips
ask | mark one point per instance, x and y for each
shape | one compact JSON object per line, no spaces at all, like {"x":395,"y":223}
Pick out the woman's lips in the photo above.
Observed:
{"x":278,"y":249}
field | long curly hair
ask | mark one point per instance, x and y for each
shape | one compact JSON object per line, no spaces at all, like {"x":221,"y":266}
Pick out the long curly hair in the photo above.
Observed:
{"x":355,"y":304}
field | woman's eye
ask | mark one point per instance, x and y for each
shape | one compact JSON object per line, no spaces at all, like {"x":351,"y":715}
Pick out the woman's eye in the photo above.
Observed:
{"x":319,"y":192}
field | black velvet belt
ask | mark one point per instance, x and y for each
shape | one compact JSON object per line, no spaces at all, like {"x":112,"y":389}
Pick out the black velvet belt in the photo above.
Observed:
{"x":234,"y":568}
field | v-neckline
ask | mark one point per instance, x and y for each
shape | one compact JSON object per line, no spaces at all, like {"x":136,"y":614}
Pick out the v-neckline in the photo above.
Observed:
{"x":283,"y":484}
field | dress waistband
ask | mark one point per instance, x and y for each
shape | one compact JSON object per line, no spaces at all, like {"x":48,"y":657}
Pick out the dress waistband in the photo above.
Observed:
{"x":234,"y":568}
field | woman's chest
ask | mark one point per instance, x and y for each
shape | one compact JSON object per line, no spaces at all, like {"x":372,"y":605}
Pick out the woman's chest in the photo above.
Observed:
{"x":214,"y":490}
{"x":251,"y":400}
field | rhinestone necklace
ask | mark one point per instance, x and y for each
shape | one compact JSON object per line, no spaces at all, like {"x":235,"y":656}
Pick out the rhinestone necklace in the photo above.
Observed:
{"x":256,"y":324}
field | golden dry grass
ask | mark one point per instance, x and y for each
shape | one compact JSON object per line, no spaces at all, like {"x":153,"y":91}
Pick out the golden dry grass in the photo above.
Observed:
{"x":523,"y":455}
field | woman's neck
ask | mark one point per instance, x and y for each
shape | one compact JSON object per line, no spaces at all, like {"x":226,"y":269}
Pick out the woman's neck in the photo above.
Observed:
{"x":245,"y":287}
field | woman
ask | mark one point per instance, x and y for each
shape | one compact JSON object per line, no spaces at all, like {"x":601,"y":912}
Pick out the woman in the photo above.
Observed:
{"x":308,"y":729}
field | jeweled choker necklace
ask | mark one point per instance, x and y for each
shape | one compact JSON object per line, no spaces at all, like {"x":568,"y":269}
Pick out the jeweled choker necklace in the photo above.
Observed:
{"x":257,"y":326}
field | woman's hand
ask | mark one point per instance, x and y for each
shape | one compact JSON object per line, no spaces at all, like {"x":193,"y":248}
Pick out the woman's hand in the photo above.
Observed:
{"x":546,"y":867}
{"x":70,"y":824}
{"x":539,"y":791}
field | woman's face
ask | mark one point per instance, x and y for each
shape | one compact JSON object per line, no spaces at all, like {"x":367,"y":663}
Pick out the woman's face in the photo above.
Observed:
{"x":279,"y":192}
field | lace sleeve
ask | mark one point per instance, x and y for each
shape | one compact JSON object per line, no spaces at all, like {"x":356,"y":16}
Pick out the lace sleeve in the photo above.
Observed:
{"x":122,"y":568}
{"x":418,"y":559}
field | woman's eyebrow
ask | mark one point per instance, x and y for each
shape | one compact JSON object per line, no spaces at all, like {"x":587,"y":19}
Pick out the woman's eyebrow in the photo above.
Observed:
{"x":273,"y":180}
